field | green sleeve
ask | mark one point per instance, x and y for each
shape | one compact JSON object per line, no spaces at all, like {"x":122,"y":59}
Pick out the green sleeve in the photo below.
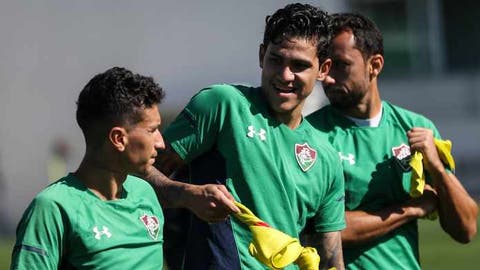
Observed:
{"x":331,"y":213}
{"x":40,"y":235}
{"x":196,"y":129}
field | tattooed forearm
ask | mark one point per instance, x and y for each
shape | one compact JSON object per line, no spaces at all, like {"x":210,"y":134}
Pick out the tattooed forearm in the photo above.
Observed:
{"x":329,"y":247}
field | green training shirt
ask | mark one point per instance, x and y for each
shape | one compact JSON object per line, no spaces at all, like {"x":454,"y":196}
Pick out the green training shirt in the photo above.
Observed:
{"x":377,"y":175}
{"x":68,"y":224}
{"x":284,"y":176}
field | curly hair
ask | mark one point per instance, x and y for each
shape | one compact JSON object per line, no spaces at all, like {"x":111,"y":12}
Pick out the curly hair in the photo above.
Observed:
{"x":368,"y":38}
{"x":114,"y":97}
{"x":299,"y":20}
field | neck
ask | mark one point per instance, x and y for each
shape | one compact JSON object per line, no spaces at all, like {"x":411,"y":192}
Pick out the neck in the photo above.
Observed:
{"x":101,"y":178}
{"x":292,"y":120}
{"x":368,"y":107}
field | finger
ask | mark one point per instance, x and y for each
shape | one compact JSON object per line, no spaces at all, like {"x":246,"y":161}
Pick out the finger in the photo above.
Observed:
{"x":329,"y":80}
{"x":225,"y":192}
{"x":226,"y":199}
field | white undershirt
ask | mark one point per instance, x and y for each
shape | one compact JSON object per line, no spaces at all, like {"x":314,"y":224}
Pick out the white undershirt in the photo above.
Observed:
{"x":371,"y":122}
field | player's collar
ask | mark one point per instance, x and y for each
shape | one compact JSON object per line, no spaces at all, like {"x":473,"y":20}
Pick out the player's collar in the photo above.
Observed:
{"x":371,"y":122}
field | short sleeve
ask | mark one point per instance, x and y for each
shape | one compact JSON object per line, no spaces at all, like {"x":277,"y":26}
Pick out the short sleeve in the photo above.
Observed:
{"x":39,"y":237}
{"x":196,"y":128}
{"x":331,"y":213}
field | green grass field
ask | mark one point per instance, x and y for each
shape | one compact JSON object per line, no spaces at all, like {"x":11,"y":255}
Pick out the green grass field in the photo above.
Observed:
{"x":5,"y":252}
{"x":437,"y":250}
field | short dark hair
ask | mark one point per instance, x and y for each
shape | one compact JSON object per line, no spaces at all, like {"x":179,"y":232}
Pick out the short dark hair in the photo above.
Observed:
{"x":299,"y":20}
{"x":368,"y":38}
{"x":115,"y":97}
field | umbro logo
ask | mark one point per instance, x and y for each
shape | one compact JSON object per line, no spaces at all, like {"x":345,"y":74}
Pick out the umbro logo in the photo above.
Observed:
{"x":252,"y":132}
{"x":99,"y":234}
{"x":350,"y":158}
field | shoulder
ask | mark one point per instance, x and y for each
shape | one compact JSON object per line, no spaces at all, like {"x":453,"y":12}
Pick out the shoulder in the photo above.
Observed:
{"x":320,"y":113}
{"x":406,"y":117}
{"x":51,"y":202}
{"x":222,"y":92}
{"x":217,"y":101}
{"x":59,"y":192}
{"x":138,"y":187}
{"x":137,"y":183}
{"x":321,"y":118}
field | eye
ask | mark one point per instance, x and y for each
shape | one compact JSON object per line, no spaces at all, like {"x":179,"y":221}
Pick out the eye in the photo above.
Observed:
{"x":338,"y":64}
{"x":300,"y":66}
{"x":274,"y":60}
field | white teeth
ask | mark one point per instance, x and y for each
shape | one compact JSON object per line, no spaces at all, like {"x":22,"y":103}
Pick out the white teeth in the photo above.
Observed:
{"x":284,"y":90}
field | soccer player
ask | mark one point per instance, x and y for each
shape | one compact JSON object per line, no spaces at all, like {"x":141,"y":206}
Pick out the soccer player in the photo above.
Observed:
{"x":100,"y":216}
{"x":375,"y":140}
{"x":254,"y":146}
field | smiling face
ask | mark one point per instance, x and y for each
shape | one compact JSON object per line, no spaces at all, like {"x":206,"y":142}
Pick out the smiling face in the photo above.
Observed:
{"x":350,"y":71}
{"x":143,"y":139}
{"x":289,"y":72}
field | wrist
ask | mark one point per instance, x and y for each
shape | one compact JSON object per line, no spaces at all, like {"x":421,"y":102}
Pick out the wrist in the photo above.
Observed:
{"x":186,"y":192}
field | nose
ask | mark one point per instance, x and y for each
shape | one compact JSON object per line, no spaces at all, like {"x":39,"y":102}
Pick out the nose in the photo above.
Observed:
{"x":159,"y":142}
{"x":287,"y":74}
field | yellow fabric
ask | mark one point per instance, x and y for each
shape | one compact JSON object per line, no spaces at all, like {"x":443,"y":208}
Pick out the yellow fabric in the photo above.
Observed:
{"x":444,"y":148}
{"x":417,"y":182}
{"x":274,"y":248}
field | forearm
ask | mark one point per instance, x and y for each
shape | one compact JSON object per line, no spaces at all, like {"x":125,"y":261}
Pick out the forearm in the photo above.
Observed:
{"x":169,"y":192}
{"x":329,"y":247}
{"x":457,"y":210}
{"x":364,"y":226}
{"x":210,"y":202}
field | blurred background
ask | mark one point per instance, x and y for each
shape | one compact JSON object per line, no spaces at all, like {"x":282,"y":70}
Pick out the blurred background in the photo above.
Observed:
{"x":51,"y":48}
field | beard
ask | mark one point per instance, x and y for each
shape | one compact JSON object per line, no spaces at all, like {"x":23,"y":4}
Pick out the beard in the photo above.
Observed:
{"x":343,"y":99}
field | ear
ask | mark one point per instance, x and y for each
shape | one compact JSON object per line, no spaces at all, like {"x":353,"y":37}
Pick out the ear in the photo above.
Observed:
{"x":324,"y":69}
{"x":118,"y":137}
{"x":261,"y":54}
{"x":375,"y":65}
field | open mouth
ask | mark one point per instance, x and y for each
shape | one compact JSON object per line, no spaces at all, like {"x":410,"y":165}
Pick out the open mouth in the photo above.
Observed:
{"x":286,"y":90}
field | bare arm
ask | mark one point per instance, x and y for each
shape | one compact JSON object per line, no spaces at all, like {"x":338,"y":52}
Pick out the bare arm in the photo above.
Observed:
{"x":210,"y":202}
{"x":329,"y":247}
{"x":363,"y":226}
{"x":457,"y":210}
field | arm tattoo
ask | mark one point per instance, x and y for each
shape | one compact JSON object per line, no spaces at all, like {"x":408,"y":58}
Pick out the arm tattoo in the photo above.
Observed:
{"x":329,"y":247}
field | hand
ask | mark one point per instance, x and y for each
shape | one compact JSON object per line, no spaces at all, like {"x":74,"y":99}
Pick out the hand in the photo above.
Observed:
{"x":211,"y":203}
{"x":329,"y":80}
{"x":425,"y":204}
{"x":422,"y":140}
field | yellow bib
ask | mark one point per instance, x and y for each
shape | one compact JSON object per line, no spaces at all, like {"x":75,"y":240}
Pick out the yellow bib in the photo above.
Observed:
{"x":274,"y":248}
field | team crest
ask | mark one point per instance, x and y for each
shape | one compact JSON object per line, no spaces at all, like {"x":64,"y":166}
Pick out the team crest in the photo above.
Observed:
{"x":152,"y":225}
{"x":402,"y":156}
{"x":306,"y":156}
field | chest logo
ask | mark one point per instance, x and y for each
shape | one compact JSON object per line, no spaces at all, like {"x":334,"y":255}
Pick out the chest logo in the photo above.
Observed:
{"x":152,"y":225}
{"x":402,"y":155}
{"x":350,"y":158}
{"x":306,"y":156}
{"x":100,"y":233}
{"x":251,"y":133}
